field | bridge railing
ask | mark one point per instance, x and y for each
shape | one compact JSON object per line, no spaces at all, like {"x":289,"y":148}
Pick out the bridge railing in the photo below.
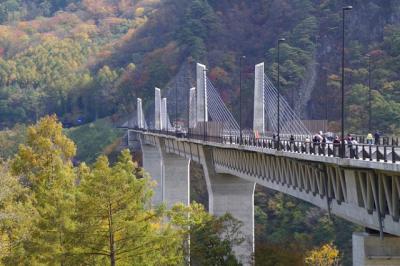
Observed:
{"x":370,"y":152}
{"x":384,"y":140}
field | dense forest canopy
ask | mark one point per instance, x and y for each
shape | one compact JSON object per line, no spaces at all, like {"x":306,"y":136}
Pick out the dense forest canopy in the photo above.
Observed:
{"x":89,"y":59}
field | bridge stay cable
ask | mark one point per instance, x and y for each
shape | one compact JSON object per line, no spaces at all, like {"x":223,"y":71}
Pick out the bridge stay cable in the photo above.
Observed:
{"x":291,"y":123}
{"x":218,"y":111}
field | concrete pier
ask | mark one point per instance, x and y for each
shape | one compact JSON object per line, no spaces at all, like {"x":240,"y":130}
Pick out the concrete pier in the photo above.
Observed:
{"x":231,"y":194}
{"x":152,"y":162}
{"x":176,"y":184}
{"x":370,"y":250}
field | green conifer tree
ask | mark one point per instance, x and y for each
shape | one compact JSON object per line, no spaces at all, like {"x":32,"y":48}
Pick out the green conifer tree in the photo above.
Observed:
{"x":44,"y":164}
{"x":116,"y":225}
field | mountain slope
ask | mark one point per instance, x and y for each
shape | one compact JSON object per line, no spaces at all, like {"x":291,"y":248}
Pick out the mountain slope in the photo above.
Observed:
{"x":94,"y":57}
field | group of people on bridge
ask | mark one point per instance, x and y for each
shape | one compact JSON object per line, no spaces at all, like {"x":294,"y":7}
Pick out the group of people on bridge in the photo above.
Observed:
{"x":323,"y":139}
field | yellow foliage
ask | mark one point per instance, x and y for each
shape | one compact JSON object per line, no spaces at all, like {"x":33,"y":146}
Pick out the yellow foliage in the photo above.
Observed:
{"x":99,"y":7}
{"x":139,"y":11}
{"x":327,"y":255}
{"x":46,"y":145}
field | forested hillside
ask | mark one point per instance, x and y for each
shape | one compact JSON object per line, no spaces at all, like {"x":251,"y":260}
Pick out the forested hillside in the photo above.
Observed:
{"x":49,"y":64}
{"x":89,"y":59}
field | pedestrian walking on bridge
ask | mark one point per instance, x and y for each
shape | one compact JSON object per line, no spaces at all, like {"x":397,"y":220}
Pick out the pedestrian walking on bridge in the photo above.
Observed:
{"x":370,"y":138}
{"x":377,"y":137}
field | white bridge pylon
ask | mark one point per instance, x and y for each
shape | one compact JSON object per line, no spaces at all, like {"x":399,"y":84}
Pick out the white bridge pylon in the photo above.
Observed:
{"x":161,"y":118}
{"x":141,"y":121}
{"x":201,"y":85}
{"x":265,"y":106}
{"x":205,"y":103}
{"x":259,"y":104}
{"x":157,"y":109}
{"x":210,"y":103}
{"x":192,"y":108}
{"x":290,"y":122}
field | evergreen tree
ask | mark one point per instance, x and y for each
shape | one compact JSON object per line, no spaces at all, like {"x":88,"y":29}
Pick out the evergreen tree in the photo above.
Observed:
{"x":116,"y":225}
{"x":199,"y":22}
{"x":44,"y":164}
{"x":211,"y":238}
{"x":16,"y":217}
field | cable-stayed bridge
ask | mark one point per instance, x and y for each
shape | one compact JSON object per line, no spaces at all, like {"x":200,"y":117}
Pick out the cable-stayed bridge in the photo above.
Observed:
{"x":358,"y":182}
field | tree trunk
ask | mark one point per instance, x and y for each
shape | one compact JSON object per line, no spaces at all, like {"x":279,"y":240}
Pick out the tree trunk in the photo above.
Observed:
{"x":111,"y":236}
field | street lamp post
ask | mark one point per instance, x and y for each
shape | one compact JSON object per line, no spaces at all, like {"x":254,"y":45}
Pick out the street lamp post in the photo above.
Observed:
{"x":168,"y":89}
{"x":188,"y":109}
{"x":176,"y":108}
{"x":205,"y":102}
{"x":369,"y":94}
{"x":344,"y":9}
{"x":325,"y":73}
{"x":167,"y":116}
{"x":279,"y":93}
{"x":240,"y":100}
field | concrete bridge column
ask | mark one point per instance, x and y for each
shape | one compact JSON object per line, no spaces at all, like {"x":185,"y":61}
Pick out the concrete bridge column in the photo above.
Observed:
{"x":153,"y":164}
{"x":230,"y":194}
{"x":176,"y":178}
{"x":370,"y":250}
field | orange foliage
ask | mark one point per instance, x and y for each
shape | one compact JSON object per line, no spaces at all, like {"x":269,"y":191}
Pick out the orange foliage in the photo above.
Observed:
{"x":376,"y":53}
{"x":99,"y":8}
{"x":113,"y":21}
{"x":85,"y":30}
{"x":218,"y":73}
{"x":125,"y":6}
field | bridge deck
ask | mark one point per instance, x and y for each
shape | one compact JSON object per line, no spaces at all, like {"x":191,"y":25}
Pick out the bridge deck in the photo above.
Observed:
{"x":362,"y":191}
{"x":378,"y":157}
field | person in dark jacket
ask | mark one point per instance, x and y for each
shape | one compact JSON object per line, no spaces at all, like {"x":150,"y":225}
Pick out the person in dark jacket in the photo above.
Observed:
{"x":377,"y":137}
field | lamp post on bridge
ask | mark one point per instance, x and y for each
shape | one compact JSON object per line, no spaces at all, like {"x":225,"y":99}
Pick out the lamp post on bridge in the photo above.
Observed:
{"x":240,"y":100}
{"x":188,"y":109}
{"x":176,"y":108}
{"x":344,"y":9}
{"x":279,"y":94}
{"x":167,"y":124}
{"x":369,"y":94}
{"x":205,"y":102}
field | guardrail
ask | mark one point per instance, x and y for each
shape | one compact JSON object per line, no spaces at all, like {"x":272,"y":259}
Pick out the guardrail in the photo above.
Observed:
{"x":371,"y":152}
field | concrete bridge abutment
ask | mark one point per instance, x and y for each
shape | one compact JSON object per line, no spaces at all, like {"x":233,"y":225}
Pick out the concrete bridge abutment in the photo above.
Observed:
{"x":231,"y":194}
{"x":370,"y":250}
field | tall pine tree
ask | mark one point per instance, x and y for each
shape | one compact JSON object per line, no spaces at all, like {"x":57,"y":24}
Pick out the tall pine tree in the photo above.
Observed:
{"x":116,"y":225}
{"x":45,"y":166}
